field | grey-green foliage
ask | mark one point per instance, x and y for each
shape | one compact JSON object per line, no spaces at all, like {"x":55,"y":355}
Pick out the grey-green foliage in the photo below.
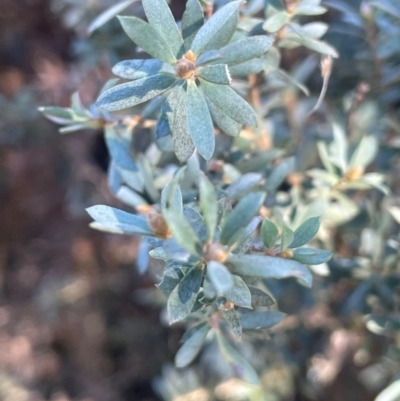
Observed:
{"x":219,"y":250}
{"x":188,"y":115}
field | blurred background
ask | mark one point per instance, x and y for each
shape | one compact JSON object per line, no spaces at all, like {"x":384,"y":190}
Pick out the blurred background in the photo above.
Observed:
{"x":74,"y":324}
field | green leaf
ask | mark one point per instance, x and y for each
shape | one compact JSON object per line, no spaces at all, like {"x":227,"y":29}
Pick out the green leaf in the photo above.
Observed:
{"x":182,"y":231}
{"x":287,"y":237}
{"x":311,"y":256}
{"x":269,"y":267}
{"x":196,"y":221}
{"x":171,"y":197}
{"x":308,"y":9}
{"x":132,"y":93}
{"x":208,"y":205}
{"x":148,"y":38}
{"x":225,"y":34}
{"x":243,"y":185}
{"x":239,"y":294}
{"x":217,"y":73}
{"x":306,"y":232}
{"x":249,"y":67}
{"x":137,"y":69}
{"x":219,"y":276}
{"x":315,"y":30}
{"x":232,"y":319}
{"x":239,"y":365}
{"x":260,"y":298}
{"x":192,"y":21}
{"x":364,"y":153}
{"x":230,"y":103}
{"x":225,"y":123}
{"x":108,"y":14}
{"x":118,"y":221}
{"x":241,"y":215}
{"x":276,"y":22}
{"x":261,"y":320}
{"x":200,"y":125}
{"x":208,"y":57}
{"x":161,"y":19}
{"x":317,"y":45}
{"x":213,"y":26}
{"x":171,"y":278}
{"x":269,"y":233}
{"x":191,"y":347}
{"x":246,"y":239}
{"x":280,"y":172}
{"x":177,"y":117}
{"x":183,"y":297}
{"x":246,"y":49}
{"x":58,"y":115}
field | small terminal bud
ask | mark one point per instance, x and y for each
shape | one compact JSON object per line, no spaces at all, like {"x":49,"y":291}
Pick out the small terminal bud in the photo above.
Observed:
{"x":216,"y":252}
{"x":355,"y":173}
{"x":158,"y":224}
{"x":286,"y":254}
{"x":185,"y":67}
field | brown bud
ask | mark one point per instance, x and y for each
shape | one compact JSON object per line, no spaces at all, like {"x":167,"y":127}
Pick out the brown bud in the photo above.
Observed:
{"x":216,"y":252}
{"x":229,"y":305}
{"x":355,"y":173}
{"x":158,"y":224}
{"x":286,"y":254}
{"x":185,"y":67}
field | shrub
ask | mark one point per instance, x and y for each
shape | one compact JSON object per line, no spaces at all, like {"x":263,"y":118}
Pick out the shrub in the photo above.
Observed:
{"x":230,"y":192}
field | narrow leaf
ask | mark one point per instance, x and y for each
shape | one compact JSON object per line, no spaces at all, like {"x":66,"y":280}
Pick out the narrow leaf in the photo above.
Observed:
{"x":213,"y":26}
{"x":108,"y":14}
{"x":364,"y":153}
{"x":249,"y":67}
{"x":246,"y":49}
{"x":287,"y":237}
{"x":232,"y":319}
{"x":269,"y":233}
{"x":217,"y":73}
{"x":261,"y":320}
{"x":137,"y":69}
{"x":239,"y":294}
{"x":161,"y":19}
{"x":208,"y":205}
{"x":280,"y":172}
{"x":230,"y":103}
{"x":182,"y":231}
{"x":191,"y":347}
{"x":200,"y":125}
{"x":148,"y":38}
{"x":225,"y":123}
{"x":107,"y":216}
{"x":311,"y":256}
{"x":306,"y":232}
{"x":183,"y":297}
{"x":276,"y":22}
{"x":225,"y":34}
{"x":219,"y":276}
{"x":239,"y":365}
{"x":241,"y":215}
{"x":192,"y":21}
{"x":308,"y":9}
{"x":132,"y":93}
{"x":269,"y":267}
{"x":260,"y":298}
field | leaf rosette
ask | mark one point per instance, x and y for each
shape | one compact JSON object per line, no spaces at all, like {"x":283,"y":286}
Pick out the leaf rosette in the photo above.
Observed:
{"x":193,"y":66}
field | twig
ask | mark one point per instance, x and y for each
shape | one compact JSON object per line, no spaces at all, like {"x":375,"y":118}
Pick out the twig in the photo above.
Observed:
{"x":326,"y":70}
